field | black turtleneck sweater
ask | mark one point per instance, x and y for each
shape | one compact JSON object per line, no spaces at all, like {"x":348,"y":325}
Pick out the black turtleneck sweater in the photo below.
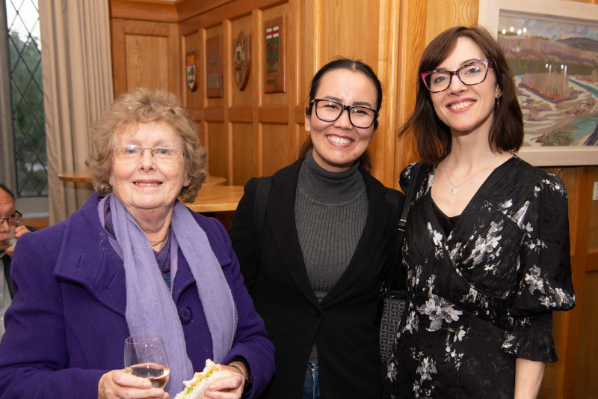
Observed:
{"x":330,"y":213}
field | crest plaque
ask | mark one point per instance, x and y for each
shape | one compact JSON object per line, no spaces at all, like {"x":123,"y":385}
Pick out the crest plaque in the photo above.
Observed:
{"x":214,"y":67}
{"x":275,"y":77}
{"x":241,"y":60}
{"x":191,"y":69}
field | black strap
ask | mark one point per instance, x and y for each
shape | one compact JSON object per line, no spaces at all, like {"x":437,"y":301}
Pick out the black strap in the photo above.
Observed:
{"x":400,"y":233}
{"x":259,"y":206}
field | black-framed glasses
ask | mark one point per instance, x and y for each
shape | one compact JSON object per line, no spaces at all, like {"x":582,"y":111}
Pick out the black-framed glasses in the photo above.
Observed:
{"x":470,"y":74}
{"x":12,"y":220}
{"x":133,"y":153}
{"x":330,"y":110}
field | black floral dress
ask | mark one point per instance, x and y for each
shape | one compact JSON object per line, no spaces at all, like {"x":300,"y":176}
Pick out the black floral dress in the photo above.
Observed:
{"x":481,"y":295}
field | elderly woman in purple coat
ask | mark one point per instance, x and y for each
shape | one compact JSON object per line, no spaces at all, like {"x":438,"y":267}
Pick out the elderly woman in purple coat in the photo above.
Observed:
{"x":133,"y":260}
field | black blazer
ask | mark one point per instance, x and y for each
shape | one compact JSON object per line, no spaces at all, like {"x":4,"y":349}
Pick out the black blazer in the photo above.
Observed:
{"x":345,"y":325}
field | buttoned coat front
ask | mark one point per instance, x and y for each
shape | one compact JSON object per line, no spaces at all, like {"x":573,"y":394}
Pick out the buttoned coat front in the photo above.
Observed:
{"x":345,"y":325}
{"x":66,"y":325}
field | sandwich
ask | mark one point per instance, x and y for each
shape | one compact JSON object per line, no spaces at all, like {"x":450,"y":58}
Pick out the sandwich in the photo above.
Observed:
{"x":198,"y":385}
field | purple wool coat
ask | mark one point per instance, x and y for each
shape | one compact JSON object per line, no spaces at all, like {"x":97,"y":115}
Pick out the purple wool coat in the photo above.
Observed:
{"x":66,"y":326}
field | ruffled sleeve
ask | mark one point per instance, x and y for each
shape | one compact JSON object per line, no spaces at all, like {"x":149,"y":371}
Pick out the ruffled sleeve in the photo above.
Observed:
{"x":545,"y":279}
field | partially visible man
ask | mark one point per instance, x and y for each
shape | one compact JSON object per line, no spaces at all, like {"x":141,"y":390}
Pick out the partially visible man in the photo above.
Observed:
{"x":9,"y":217}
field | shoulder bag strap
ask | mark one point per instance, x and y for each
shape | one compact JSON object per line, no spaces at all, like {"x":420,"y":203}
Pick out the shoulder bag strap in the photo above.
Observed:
{"x":401,"y":227}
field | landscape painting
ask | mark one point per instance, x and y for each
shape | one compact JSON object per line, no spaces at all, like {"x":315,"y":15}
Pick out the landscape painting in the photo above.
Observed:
{"x":555,"y":62}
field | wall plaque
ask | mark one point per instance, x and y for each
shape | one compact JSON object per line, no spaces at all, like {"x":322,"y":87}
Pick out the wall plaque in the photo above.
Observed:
{"x":275,"y":77}
{"x":214,"y":67}
{"x":191,"y":69}
{"x":241,"y":60}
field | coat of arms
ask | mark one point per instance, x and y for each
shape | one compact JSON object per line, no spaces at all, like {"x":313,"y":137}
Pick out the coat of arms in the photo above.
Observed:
{"x":241,"y":60}
{"x":191,"y":69}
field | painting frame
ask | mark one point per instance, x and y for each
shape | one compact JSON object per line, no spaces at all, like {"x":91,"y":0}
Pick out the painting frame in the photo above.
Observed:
{"x":566,"y":11}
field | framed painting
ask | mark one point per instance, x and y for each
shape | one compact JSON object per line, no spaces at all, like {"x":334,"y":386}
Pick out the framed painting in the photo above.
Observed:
{"x":552,"y":47}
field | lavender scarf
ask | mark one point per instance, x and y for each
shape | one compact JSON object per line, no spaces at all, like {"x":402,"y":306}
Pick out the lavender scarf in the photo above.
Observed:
{"x":150,"y":307}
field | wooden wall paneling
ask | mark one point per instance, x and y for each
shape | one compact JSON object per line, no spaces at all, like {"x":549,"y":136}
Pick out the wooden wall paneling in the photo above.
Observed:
{"x":593,"y":238}
{"x":274,"y":99}
{"x":244,"y":157}
{"x":190,"y":42}
{"x":586,"y":385}
{"x":211,"y":32}
{"x":579,"y":220}
{"x":548,"y":389}
{"x":187,"y":9}
{"x":387,"y":66}
{"x":227,"y":47}
{"x":311,"y":42}
{"x":218,"y":149}
{"x":230,"y":10}
{"x":293,"y":49}
{"x":443,"y":14}
{"x":243,"y":98}
{"x":145,"y":54}
{"x":258,"y":95}
{"x":147,"y":61}
{"x":119,"y":62}
{"x":155,"y":11}
{"x":412,"y":25}
{"x":350,"y":28}
{"x":176,"y":67}
{"x":277,"y":148}
{"x":201,"y":93}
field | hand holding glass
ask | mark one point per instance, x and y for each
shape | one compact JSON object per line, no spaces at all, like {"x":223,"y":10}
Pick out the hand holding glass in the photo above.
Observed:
{"x":145,"y":356}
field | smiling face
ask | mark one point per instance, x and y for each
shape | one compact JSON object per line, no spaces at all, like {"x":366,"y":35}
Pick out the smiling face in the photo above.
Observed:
{"x":147,"y":185}
{"x":7,"y":208}
{"x":338,"y":144}
{"x":466,"y":109}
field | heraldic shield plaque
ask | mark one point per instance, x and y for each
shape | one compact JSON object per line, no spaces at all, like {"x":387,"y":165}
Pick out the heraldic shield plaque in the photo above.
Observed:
{"x":214,"y":67}
{"x":191,"y":70}
{"x":241,"y":60}
{"x":275,"y":78}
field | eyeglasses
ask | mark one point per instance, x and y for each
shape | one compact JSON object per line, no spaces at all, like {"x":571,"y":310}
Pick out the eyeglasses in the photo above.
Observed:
{"x":329,"y":111}
{"x":470,"y":74}
{"x":12,"y":220}
{"x":133,"y":153}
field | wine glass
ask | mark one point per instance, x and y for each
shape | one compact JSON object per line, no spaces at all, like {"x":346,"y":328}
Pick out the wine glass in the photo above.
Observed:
{"x":145,"y":356}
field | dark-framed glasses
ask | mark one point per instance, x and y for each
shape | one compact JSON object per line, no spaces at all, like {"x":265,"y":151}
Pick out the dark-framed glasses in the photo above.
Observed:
{"x":133,"y":153}
{"x":12,"y":219}
{"x":330,"y":110}
{"x":470,"y":74}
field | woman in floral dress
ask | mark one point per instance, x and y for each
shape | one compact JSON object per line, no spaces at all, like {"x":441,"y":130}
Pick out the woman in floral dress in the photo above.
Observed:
{"x":487,"y":243}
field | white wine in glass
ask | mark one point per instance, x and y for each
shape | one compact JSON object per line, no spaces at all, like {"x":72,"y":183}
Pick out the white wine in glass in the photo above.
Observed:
{"x":145,"y":356}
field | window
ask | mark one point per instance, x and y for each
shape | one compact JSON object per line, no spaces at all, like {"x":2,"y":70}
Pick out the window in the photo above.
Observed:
{"x":26,"y":89}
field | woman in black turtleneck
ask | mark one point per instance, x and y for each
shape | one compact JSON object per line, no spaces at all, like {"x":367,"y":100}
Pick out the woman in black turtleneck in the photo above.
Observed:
{"x":325,"y":246}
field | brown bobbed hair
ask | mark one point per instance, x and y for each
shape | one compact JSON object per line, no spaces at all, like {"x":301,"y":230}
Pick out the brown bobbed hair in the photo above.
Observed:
{"x":352,"y":65}
{"x":432,"y":136}
{"x":141,"y":105}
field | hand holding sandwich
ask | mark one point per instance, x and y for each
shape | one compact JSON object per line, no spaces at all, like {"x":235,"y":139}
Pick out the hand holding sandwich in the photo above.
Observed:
{"x":121,"y":385}
{"x":216,"y":381}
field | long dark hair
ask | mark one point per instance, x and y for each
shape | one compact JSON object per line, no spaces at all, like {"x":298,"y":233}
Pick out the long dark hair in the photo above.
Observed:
{"x":351,"y":65}
{"x":433,"y":137}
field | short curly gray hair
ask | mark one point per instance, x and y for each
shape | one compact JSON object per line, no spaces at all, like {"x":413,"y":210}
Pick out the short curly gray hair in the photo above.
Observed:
{"x":141,"y":105}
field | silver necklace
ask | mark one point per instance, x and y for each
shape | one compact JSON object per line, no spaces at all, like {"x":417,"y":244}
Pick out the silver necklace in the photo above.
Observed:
{"x":454,"y":189}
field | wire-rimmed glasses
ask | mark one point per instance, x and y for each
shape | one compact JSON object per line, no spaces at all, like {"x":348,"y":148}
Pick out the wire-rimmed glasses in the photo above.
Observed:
{"x":133,"y":153}
{"x":330,"y":110}
{"x":13,"y":219}
{"x":470,"y":74}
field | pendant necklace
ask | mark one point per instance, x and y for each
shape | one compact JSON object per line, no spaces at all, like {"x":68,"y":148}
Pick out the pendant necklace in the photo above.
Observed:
{"x":454,"y":189}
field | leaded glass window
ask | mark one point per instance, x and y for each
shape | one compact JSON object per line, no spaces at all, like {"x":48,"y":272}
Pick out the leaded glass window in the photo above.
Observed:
{"x":24,"y":47}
